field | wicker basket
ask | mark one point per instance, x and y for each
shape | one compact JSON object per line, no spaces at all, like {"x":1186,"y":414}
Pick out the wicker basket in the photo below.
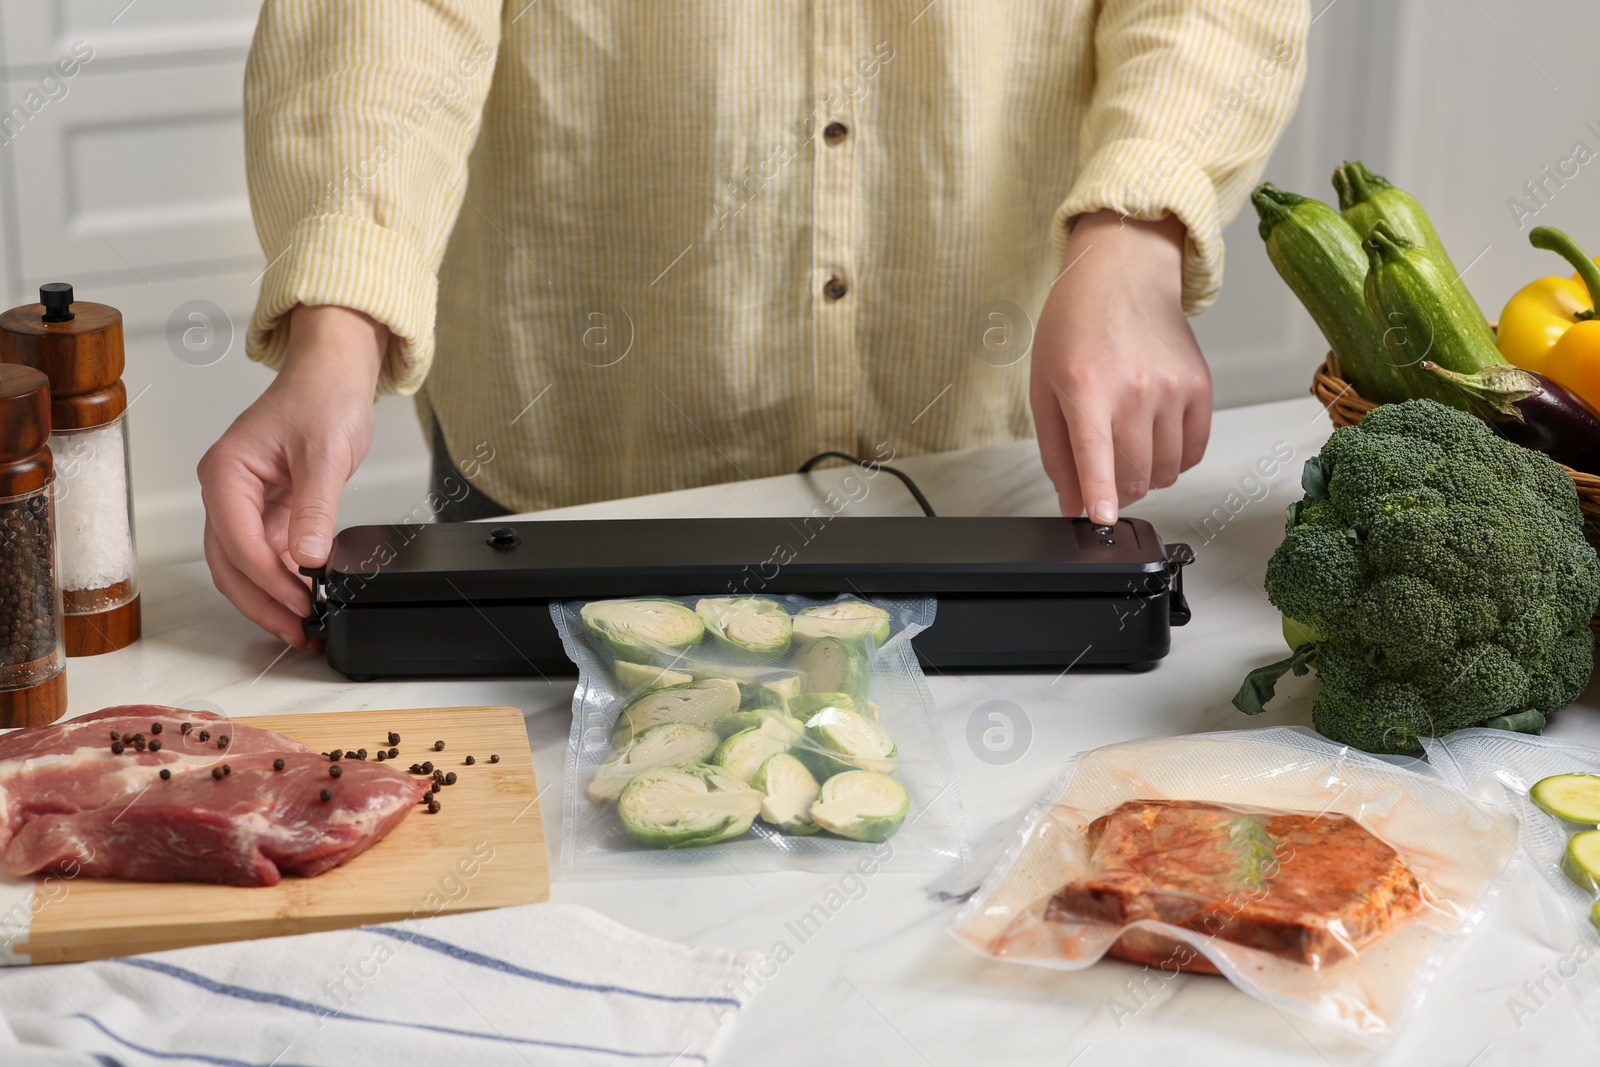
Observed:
{"x":1346,"y":407}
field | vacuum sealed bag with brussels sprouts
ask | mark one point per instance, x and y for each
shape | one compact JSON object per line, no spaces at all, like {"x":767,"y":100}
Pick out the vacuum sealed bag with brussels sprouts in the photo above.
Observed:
{"x":761,"y":732}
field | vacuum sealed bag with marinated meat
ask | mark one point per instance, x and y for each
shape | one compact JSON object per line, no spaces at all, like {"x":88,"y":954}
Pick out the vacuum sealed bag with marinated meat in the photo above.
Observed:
{"x":1318,"y":878}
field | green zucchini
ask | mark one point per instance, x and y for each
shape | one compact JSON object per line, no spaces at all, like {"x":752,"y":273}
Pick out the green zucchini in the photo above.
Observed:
{"x":1319,"y":256}
{"x":1366,"y":199}
{"x":1573,"y":798}
{"x":1410,"y":294}
{"x":1582,"y":860}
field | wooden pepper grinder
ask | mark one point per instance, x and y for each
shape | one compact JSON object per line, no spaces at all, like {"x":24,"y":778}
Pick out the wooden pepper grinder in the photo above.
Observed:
{"x":33,"y":684}
{"x":78,"y":346}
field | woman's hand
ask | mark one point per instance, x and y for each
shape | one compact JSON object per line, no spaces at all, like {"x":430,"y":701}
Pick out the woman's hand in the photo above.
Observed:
{"x":271,"y":483}
{"x":1121,"y":394}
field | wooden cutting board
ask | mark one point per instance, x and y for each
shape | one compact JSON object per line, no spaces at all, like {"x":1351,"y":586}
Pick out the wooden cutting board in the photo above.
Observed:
{"x":484,"y":849}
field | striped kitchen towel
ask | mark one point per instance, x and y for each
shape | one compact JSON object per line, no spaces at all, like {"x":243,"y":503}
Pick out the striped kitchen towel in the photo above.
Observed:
{"x":544,"y":984}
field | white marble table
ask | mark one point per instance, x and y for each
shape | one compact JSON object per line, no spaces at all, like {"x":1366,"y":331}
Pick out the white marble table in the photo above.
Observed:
{"x":882,"y":982}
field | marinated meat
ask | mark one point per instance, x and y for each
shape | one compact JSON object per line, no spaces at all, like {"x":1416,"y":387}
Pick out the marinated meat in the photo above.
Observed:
{"x":1309,"y":888}
{"x":67,"y":800}
{"x":250,"y":826}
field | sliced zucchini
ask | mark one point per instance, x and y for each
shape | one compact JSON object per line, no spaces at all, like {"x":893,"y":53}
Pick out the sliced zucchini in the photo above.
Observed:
{"x":749,"y":623}
{"x":1582,"y":860}
{"x":1574,"y":798}
{"x":861,"y":805}
{"x":793,"y":728}
{"x":838,"y":741}
{"x":666,"y":745}
{"x":682,"y":807}
{"x":647,"y":677}
{"x":830,"y":665}
{"x":787,"y":793}
{"x":643,"y":631}
{"x":702,"y":704}
{"x":743,"y":754}
{"x":851,"y":620}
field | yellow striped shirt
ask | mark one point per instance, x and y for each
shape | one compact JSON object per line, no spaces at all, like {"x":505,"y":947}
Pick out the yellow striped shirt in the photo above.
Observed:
{"x":625,"y":246}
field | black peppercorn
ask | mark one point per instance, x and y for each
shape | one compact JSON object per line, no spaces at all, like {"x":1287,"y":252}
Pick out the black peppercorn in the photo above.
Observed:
{"x":326,"y":795}
{"x":427,"y":768}
{"x":154,"y":746}
{"x":469,"y":761}
{"x":166,"y":775}
{"x":361,"y":753}
{"x":336,"y":754}
{"x":277,"y":764}
{"x":394,"y":738}
{"x":393,"y":753}
{"x":382,"y":755}
{"x":438,"y":746}
{"x":205,"y":735}
{"x":186,"y":727}
{"x":115,"y":736}
{"x":334,"y":771}
{"x":433,"y":807}
{"x":494,"y":759}
{"x":416,"y":768}
{"x":155,"y":728}
{"x":222,"y":742}
{"x":116,"y":748}
{"x":226,"y":769}
{"x":450,"y":779}
{"x":435,"y":787}
{"x":216,"y":772}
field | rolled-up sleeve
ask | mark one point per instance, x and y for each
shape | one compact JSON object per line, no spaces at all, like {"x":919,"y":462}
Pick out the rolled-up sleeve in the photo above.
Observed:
{"x":1190,"y":97}
{"x":359,"y":118}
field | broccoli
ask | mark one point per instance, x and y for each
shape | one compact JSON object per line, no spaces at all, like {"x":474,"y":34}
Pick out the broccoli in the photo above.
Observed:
{"x":1445,"y":574}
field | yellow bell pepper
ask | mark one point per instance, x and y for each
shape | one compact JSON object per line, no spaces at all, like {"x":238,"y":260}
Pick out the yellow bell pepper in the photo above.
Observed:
{"x":1549,"y":326}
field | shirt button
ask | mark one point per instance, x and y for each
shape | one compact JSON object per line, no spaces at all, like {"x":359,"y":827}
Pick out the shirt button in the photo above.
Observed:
{"x":834,"y":132}
{"x":835,"y":288}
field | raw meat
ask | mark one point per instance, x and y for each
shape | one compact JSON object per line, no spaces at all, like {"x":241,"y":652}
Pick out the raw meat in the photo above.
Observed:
{"x":70,"y":767}
{"x":1309,"y":888}
{"x":249,"y":827}
{"x":68,"y":801}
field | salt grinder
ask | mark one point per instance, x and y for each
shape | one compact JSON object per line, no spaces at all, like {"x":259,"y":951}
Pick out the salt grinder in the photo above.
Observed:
{"x":33,"y":685}
{"x":78,"y":346}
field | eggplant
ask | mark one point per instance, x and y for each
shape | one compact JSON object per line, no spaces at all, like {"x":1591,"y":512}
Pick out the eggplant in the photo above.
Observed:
{"x":1530,"y":410}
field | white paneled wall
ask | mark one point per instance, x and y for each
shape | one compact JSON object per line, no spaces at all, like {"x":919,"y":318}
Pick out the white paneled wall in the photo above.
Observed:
{"x":127,"y":179}
{"x":128,"y":182}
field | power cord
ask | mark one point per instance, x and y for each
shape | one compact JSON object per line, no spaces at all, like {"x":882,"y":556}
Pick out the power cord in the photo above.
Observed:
{"x":911,"y":486}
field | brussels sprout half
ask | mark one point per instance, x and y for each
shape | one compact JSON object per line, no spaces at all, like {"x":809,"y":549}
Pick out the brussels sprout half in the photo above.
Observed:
{"x":686,"y":806}
{"x":806,"y":705}
{"x":755,"y":717}
{"x":829,"y":665}
{"x":861,"y":805}
{"x":769,"y":691}
{"x":702,"y":704}
{"x":749,"y":623}
{"x":743,"y":754}
{"x":647,"y":677}
{"x":851,"y":620}
{"x":838,"y":741}
{"x":643,"y":631}
{"x":666,"y":745}
{"x":787,"y":792}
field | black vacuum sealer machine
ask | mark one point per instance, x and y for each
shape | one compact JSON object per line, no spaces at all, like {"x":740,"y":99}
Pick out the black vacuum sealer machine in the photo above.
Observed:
{"x":1017,"y":593}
